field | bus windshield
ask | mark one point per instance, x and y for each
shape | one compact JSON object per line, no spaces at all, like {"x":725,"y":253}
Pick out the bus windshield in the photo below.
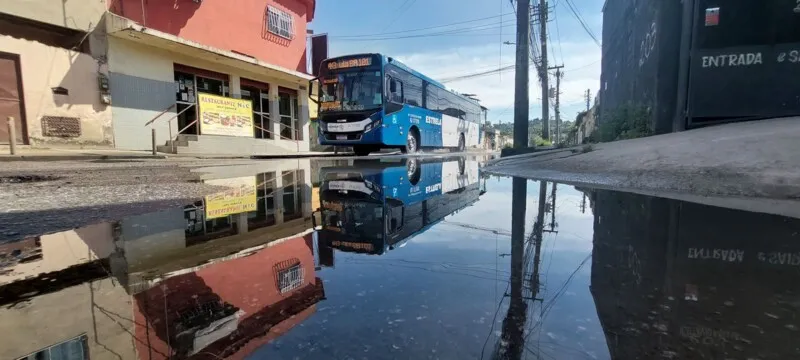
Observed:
{"x":360,"y":219}
{"x":352,"y":90}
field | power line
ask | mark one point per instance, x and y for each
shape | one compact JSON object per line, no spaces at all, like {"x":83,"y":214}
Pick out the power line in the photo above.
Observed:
{"x":413,"y":37}
{"x":459,"y":31}
{"x":558,"y":32}
{"x":479,"y":74}
{"x":425,"y":28}
{"x":493,"y":25}
{"x":578,"y":17}
{"x":398,"y":12}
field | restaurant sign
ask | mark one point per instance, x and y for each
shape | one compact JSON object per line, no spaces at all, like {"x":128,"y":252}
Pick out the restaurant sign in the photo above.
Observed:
{"x":225,"y":116}
{"x":239,"y":197}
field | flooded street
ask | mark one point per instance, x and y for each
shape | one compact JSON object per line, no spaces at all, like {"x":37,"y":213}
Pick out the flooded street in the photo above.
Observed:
{"x":427,"y":258}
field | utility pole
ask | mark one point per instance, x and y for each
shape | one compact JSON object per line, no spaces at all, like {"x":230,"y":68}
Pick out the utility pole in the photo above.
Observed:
{"x":588,"y":99}
{"x":543,"y":12}
{"x":521,"y":76}
{"x":559,"y":74}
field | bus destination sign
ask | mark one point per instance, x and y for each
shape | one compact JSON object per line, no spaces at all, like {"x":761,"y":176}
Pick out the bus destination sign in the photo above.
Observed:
{"x":350,"y":63}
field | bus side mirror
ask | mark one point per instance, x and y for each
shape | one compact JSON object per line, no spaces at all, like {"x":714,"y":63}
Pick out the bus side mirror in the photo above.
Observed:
{"x":311,"y":90}
{"x":392,"y":86}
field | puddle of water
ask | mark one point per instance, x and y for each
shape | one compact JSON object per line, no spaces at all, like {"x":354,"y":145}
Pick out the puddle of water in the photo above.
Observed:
{"x":422,"y":259}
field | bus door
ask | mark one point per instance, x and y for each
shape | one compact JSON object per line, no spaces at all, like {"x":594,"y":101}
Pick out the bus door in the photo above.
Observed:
{"x":395,"y":214}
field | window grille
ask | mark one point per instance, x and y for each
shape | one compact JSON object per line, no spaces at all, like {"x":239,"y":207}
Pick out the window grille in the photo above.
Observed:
{"x":280,"y":23}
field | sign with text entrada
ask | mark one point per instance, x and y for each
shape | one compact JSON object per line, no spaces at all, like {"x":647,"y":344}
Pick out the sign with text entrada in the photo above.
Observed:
{"x":221,"y":115}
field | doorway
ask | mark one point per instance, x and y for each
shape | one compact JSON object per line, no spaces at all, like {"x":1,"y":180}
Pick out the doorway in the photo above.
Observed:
{"x":11,"y":99}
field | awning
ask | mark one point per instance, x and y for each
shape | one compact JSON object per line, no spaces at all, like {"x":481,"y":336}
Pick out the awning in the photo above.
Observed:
{"x":130,"y":30}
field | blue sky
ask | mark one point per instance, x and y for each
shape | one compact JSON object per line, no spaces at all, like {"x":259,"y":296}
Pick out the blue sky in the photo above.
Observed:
{"x":356,"y":26}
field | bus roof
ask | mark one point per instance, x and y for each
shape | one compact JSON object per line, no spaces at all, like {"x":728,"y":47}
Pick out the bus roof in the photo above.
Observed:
{"x":393,"y":61}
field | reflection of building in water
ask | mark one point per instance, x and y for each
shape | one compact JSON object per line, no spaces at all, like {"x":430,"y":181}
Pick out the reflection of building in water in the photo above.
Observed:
{"x":229,"y":307}
{"x":92,"y":291}
{"x":272,"y":199}
{"x":682,"y":280}
{"x":58,"y":301}
{"x":374,"y":206}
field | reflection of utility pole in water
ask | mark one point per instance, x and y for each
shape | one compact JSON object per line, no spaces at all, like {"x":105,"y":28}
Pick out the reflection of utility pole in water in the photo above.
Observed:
{"x":552,"y":209}
{"x":538,"y":234}
{"x":512,"y":339}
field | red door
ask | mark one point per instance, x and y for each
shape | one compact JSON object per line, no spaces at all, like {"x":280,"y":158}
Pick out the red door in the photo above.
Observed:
{"x":11,"y":102}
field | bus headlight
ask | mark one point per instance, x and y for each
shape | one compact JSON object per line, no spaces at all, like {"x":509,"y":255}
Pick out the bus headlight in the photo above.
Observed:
{"x":372,"y":125}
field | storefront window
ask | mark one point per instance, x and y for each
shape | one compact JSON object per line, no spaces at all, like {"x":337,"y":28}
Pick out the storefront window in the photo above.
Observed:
{"x":292,"y":199}
{"x":288,"y":110}
{"x":265,"y":212}
{"x":262,"y":127}
{"x":187,"y":85}
{"x":199,"y":229}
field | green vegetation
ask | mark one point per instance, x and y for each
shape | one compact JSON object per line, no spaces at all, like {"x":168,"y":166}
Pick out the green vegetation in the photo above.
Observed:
{"x":535,"y":131}
{"x":626,"y":122}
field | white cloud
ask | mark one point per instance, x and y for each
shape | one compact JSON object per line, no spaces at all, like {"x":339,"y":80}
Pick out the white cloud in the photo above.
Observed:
{"x":582,"y":71}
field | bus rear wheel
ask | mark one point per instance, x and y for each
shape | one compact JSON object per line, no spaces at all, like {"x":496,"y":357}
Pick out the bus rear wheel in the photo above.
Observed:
{"x":362,"y":150}
{"x":412,"y":141}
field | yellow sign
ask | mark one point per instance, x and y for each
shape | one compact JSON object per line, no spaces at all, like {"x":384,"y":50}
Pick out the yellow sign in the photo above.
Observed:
{"x":349,"y":63}
{"x":225,"y":116}
{"x":240,"y":197}
{"x":353,"y":245}
{"x":331,"y":105}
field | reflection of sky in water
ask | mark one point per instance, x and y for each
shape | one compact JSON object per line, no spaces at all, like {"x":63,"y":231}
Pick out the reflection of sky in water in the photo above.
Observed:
{"x":437,"y":296}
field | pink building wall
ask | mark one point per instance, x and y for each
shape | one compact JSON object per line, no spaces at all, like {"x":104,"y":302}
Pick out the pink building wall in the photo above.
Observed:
{"x":239,"y":26}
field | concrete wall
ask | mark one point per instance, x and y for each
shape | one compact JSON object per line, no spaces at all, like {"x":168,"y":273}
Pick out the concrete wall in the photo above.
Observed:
{"x":74,"y":14}
{"x":221,"y":24}
{"x":101,"y":309}
{"x":143,"y":85}
{"x":65,"y":249}
{"x":45,"y":67}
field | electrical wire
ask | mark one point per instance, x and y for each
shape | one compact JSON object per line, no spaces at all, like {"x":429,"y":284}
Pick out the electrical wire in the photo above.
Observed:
{"x":578,"y":17}
{"x":558,"y":32}
{"x":461,"y":31}
{"x":493,"y":25}
{"x":425,"y":28}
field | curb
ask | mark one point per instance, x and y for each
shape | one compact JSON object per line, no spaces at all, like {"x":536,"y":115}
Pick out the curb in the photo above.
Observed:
{"x":47,"y":158}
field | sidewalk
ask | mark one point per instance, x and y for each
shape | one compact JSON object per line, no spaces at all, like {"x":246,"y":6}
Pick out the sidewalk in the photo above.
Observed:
{"x":26,"y":153}
{"x":749,"y":159}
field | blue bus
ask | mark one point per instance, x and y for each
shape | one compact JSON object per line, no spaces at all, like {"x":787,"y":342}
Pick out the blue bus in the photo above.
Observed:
{"x":377,"y":205}
{"x":370,"y":102}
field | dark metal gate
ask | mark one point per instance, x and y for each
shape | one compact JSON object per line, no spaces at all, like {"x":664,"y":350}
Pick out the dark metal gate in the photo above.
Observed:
{"x":11,"y":99}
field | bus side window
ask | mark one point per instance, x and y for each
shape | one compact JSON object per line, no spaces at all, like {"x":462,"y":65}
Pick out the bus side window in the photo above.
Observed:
{"x":395,"y":90}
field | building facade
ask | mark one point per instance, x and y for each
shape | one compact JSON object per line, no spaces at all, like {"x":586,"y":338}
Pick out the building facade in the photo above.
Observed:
{"x":204,"y":76}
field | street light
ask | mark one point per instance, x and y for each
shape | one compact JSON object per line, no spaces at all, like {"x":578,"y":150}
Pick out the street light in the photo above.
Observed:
{"x":509,"y":43}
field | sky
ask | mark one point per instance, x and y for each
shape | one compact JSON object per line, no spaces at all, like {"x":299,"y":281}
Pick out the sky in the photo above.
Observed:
{"x":449,"y":38}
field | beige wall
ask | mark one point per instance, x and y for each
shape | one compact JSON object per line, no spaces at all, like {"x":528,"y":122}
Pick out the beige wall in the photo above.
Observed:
{"x":135,"y":59}
{"x":65,"y":249}
{"x":74,"y":14}
{"x":101,"y":309}
{"x":44,"y":67}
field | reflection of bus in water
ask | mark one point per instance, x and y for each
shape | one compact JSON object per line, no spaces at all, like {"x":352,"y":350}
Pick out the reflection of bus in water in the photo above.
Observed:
{"x":374,"y":205}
